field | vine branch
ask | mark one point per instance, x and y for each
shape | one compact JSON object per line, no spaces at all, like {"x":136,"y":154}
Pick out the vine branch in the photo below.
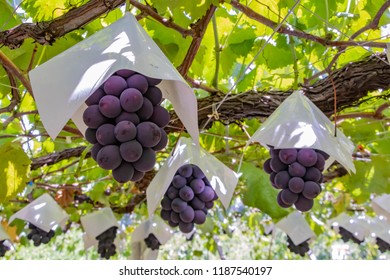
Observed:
{"x":199,"y":29}
{"x":300,"y":34}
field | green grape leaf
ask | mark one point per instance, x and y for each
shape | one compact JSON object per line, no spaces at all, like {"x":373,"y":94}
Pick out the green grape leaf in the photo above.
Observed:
{"x":259,"y":192}
{"x":278,"y":55}
{"x":381,"y":177}
{"x":14,"y":169}
{"x":44,"y":10}
{"x":8,"y":18}
{"x":370,"y":178}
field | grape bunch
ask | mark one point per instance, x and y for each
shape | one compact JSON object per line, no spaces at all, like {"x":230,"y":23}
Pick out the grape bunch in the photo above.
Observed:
{"x":382,"y":245}
{"x":152,"y":242}
{"x":298,"y":174}
{"x":126,"y":123}
{"x":3,"y":248}
{"x":106,"y":246}
{"x":347,"y":235}
{"x":187,"y":199}
{"x":300,"y":249}
{"x":39,"y":236}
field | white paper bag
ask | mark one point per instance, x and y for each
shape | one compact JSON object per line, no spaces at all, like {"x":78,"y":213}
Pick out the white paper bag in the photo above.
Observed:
{"x":222,"y":179}
{"x":44,"y":213}
{"x":96,"y":223}
{"x":379,"y":227}
{"x":3,"y":234}
{"x":158,"y":228}
{"x":298,"y":123}
{"x":296,"y":227}
{"x":381,"y":205}
{"x":62,"y":84}
{"x":353,"y":224}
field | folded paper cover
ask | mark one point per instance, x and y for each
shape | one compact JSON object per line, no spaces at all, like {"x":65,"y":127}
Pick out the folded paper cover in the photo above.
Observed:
{"x":381,"y":205}
{"x":139,"y":251}
{"x":378,"y":227}
{"x":296,"y":227}
{"x":298,"y":123}
{"x":62,"y":84}
{"x":222,"y":178}
{"x":44,"y":212}
{"x":96,"y":223}
{"x":355,"y":225}
{"x":158,"y":228}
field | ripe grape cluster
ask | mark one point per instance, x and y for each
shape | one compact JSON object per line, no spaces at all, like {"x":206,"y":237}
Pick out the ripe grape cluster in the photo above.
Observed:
{"x":106,"y":246}
{"x":152,"y":242}
{"x":298,"y":174}
{"x":188,"y":198}
{"x":3,"y":248}
{"x":347,"y":235}
{"x":300,"y":249}
{"x":126,"y":123}
{"x":39,"y":236}
{"x":382,"y":245}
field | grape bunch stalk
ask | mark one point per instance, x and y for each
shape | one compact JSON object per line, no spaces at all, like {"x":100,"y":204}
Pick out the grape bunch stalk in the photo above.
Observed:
{"x":152,"y":242}
{"x":3,"y":248}
{"x":106,"y":246}
{"x":187,"y":199}
{"x":347,"y":235}
{"x":300,"y":249}
{"x":126,"y":123}
{"x":39,"y":236}
{"x":298,"y":174}
{"x":383,"y":246}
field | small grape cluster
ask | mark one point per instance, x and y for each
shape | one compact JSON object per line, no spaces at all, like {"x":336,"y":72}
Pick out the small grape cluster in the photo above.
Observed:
{"x":347,"y":235}
{"x":106,"y":246}
{"x":126,"y":123}
{"x":39,"y":236}
{"x":188,"y":198}
{"x":382,"y":245}
{"x":300,"y":249}
{"x":298,"y":174}
{"x":152,"y":242}
{"x":3,"y":248}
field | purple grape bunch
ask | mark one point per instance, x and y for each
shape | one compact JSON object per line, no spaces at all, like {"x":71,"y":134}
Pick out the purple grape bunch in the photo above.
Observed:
{"x":152,"y":242}
{"x":126,"y":123}
{"x":3,"y":248}
{"x":187,"y":199}
{"x":383,"y":246}
{"x":300,"y":249}
{"x":347,"y":236}
{"x":39,"y":236}
{"x":106,"y":246}
{"x":298,"y":174}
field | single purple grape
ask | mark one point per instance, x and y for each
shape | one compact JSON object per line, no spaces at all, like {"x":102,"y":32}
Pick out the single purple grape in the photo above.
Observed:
{"x":296,"y":184}
{"x":277,"y":165}
{"x":179,"y":181}
{"x":288,"y":156}
{"x":303,"y":204}
{"x":125,"y":73}
{"x":185,"y":170}
{"x":186,"y":227}
{"x":187,"y":215}
{"x":267,"y":167}
{"x":154,"y":95}
{"x":197,"y":185}
{"x":178,"y":205}
{"x":114,"y":85}
{"x":95,"y":97}
{"x":139,"y":82}
{"x":307,"y":157}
